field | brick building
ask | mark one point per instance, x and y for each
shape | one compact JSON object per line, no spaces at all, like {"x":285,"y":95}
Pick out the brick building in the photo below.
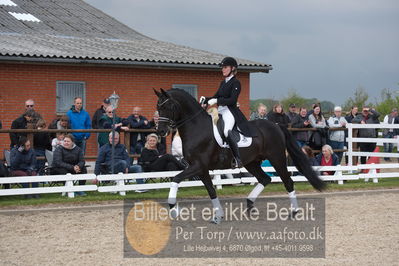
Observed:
{"x":53,"y":51}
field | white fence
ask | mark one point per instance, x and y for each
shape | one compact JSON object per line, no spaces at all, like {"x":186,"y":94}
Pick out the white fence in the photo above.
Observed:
{"x":122,"y":182}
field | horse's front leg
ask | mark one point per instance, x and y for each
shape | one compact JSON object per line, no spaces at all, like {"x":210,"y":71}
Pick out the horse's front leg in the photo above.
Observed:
{"x":218,"y":210}
{"x":192,"y":170}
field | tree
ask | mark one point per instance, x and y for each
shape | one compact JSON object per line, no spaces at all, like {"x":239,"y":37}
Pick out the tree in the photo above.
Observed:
{"x":359,"y":99}
{"x":388,"y":102}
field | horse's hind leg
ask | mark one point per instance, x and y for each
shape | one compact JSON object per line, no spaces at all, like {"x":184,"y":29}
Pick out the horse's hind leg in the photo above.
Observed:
{"x":263,"y":179}
{"x":219,"y":213}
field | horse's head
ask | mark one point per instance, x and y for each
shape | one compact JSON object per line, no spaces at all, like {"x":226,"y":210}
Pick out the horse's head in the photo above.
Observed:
{"x":168,"y":113}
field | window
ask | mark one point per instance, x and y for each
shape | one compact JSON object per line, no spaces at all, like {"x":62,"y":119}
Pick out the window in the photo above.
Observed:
{"x":66,"y":93}
{"x":191,"y":89}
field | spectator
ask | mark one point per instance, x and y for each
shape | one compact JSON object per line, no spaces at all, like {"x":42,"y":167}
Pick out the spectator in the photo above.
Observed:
{"x":59,"y":123}
{"x":301,"y":121}
{"x":100,"y":112}
{"x":79,"y":119}
{"x":355,"y":132}
{"x":161,"y":146}
{"x":310,"y":155}
{"x":368,"y":116}
{"x":152,"y":161}
{"x":137,"y":121}
{"x":317,"y":138}
{"x":278,"y":116}
{"x":106,"y":123}
{"x":23,"y":162}
{"x":389,"y":133}
{"x":261,"y":112}
{"x":122,"y":161}
{"x":292,"y":112}
{"x":58,"y":141}
{"x":21,"y":123}
{"x":30,"y":105}
{"x":337,"y":137}
{"x":41,"y":143}
{"x":327,"y":158}
{"x":68,"y":158}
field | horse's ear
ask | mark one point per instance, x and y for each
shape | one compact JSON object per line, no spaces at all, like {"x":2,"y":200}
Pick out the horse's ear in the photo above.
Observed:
{"x":157,"y":93}
{"x":164,"y":93}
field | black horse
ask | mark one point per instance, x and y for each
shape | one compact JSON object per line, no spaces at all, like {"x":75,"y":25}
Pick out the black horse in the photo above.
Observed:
{"x":178,"y":109}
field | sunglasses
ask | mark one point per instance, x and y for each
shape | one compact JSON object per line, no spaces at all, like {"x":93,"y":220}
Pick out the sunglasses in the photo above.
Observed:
{"x":110,"y":112}
{"x":29,"y":105}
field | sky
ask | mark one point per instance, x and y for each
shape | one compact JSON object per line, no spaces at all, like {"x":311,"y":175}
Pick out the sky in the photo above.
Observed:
{"x":321,"y":49}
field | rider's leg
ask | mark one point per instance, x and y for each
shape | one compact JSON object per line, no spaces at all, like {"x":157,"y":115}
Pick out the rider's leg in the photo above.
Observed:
{"x":229,"y":122}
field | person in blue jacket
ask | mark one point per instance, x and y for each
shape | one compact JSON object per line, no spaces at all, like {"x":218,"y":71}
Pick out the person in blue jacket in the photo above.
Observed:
{"x":79,"y":119}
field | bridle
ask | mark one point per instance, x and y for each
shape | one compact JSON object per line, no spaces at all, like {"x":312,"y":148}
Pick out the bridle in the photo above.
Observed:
{"x":176,"y":124}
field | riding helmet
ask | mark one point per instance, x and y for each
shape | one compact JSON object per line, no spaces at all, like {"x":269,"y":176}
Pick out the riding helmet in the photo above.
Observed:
{"x":229,"y":61}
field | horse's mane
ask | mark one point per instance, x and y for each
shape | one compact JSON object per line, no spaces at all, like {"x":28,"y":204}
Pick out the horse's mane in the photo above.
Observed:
{"x":186,"y":97}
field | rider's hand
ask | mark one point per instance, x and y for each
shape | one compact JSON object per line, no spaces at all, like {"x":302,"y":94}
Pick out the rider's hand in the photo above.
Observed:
{"x":212,"y":101}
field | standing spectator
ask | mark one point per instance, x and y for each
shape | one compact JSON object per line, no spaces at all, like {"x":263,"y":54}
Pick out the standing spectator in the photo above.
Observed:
{"x":21,"y":123}
{"x":100,"y":112}
{"x":317,"y":138}
{"x":23,"y":161}
{"x":106,"y":123}
{"x":161,"y":146}
{"x":261,"y":112}
{"x":152,"y":161}
{"x":137,"y":121}
{"x":301,"y":121}
{"x":68,"y":158}
{"x":327,"y":158}
{"x":368,"y":116}
{"x":355,"y":132}
{"x":79,"y":119}
{"x":30,"y":105}
{"x":337,"y":137}
{"x":59,"y":123}
{"x":292,"y":112}
{"x":278,"y":116}
{"x":122,"y":161}
{"x":389,"y":132}
{"x":41,"y":143}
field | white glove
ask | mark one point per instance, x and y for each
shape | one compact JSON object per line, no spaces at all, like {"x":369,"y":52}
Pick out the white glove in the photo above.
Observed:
{"x":202,"y":100}
{"x":212,"y":101}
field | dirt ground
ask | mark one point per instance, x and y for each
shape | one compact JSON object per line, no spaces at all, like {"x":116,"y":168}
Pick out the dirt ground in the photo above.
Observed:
{"x":362,"y":228}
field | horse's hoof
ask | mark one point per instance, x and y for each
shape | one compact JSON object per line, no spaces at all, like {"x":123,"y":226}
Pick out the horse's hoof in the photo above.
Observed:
{"x":250,"y":206}
{"x":293,"y":214}
{"x":174,"y":212}
{"x":217,"y":219}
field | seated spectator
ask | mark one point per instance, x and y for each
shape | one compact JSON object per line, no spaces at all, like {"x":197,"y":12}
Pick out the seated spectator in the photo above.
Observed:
{"x":327,"y":158}
{"x":59,"y":123}
{"x":122,"y":161}
{"x":100,"y":112}
{"x":389,"y":133}
{"x":30,"y":105}
{"x":68,"y":158}
{"x":309,"y":153}
{"x":301,"y":121}
{"x":58,"y":141}
{"x":23,"y":162}
{"x":152,"y":161}
{"x":292,"y":112}
{"x":317,"y":138}
{"x":106,"y":123}
{"x":337,"y":137}
{"x":278,"y":116}
{"x":41,"y":143}
{"x":161,"y":146}
{"x":137,"y":121}
{"x":21,"y":123}
{"x":261,"y":112}
{"x":368,"y":116}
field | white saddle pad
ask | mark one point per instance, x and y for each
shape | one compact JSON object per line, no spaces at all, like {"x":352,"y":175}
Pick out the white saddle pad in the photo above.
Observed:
{"x":244,"y":141}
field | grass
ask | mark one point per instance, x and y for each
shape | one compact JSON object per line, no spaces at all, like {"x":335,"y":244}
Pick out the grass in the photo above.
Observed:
{"x":194,"y":192}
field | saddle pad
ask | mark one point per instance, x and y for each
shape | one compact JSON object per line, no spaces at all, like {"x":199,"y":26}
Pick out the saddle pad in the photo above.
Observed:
{"x":243,"y":143}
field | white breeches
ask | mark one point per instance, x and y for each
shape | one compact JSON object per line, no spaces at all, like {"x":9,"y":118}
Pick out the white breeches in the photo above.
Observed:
{"x":228,"y":119}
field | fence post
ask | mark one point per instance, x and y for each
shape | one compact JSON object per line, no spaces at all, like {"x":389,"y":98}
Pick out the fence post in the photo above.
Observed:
{"x":338,"y":173}
{"x":350,"y":147}
{"x":374,"y":172}
{"x":121,"y":182}
{"x":217,"y":178}
{"x":127,"y":141}
{"x":69,"y":184}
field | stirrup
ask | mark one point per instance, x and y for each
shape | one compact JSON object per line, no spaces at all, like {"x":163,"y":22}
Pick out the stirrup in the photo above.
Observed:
{"x":237,"y":163}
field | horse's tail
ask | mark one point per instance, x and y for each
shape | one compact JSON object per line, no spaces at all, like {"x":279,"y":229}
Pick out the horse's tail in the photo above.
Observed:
{"x":301,"y":161}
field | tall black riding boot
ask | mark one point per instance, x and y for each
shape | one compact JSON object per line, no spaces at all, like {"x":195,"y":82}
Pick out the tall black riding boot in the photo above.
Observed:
{"x":234,"y":149}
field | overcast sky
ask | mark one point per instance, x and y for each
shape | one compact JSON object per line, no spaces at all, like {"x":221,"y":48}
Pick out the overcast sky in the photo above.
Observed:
{"x":320,"y":48}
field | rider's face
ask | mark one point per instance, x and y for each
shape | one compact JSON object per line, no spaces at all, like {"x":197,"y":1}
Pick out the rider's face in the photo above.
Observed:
{"x":226,"y":70}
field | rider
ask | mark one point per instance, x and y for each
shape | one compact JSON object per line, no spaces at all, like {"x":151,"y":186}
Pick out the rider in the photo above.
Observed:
{"x":226,"y":97}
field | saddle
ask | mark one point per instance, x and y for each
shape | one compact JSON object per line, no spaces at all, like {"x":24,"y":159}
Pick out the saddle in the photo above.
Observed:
{"x":218,"y":131}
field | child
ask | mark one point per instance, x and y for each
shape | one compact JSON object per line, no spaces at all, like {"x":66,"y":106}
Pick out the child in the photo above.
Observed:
{"x":59,"y":140}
